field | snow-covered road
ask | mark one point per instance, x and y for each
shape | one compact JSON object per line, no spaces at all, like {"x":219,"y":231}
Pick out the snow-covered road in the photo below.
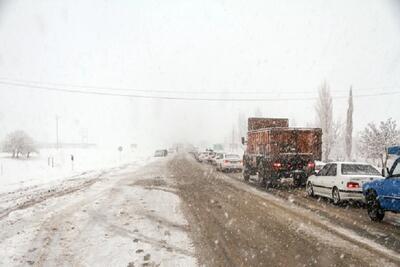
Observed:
{"x":123,"y":216}
{"x":176,"y":212}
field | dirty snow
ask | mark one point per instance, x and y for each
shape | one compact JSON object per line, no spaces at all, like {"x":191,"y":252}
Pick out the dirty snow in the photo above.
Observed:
{"x":115,"y":221}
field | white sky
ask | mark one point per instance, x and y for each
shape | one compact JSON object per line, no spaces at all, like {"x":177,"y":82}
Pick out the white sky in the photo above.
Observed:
{"x":282,"y":48}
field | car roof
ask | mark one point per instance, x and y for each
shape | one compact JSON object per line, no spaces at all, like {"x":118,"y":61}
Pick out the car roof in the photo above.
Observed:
{"x":348,"y":162}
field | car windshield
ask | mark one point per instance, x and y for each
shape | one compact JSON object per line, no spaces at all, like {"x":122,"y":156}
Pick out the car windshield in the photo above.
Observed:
{"x":359,"y":169}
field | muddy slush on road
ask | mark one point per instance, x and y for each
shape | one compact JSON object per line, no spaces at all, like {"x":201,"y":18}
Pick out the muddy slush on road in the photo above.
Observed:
{"x":176,"y":212}
{"x":233,"y":224}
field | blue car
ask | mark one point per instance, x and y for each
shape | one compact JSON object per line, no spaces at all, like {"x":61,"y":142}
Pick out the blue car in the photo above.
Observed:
{"x":383,"y":195}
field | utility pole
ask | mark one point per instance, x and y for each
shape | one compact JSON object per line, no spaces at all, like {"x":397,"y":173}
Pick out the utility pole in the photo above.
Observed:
{"x":57,"y":139}
{"x":233,"y":139}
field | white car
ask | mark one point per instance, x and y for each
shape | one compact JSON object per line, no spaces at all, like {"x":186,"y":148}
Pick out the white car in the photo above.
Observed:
{"x":341,"y":181}
{"x":205,"y":156}
{"x":229,"y":161}
{"x":202,"y":156}
{"x":215,"y":158}
{"x":210,"y":156}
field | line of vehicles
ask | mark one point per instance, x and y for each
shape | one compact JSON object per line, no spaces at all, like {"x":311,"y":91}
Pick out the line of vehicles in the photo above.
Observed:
{"x":343,"y":181}
{"x":275,"y":151}
{"x":222,"y":160}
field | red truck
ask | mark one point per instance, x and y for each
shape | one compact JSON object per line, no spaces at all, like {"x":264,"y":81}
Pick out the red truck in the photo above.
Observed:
{"x":275,"y":151}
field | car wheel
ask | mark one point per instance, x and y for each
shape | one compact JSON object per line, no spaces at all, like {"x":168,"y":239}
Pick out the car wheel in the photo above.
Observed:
{"x":375,"y":212}
{"x":310,"y":189}
{"x":336,"y":196}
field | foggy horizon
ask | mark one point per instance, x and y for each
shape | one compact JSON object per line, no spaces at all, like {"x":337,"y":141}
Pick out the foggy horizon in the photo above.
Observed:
{"x":276,"y":50}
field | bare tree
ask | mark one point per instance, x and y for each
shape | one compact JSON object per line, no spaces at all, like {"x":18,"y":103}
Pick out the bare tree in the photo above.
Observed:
{"x":375,"y":140}
{"x":19,"y":142}
{"x":337,"y":150}
{"x":349,"y":126}
{"x":324,"y":110}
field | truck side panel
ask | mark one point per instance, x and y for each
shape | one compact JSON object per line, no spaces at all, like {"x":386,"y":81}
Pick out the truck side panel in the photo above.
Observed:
{"x":296,"y":141}
{"x":258,"y":142}
{"x":290,"y":140}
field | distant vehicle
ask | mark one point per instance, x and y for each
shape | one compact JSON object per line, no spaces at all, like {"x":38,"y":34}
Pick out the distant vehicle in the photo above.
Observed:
{"x":275,"y":151}
{"x":229,"y":162}
{"x":161,"y":153}
{"x":203,"y":156}
{"x":216,"y":157}
{"x":208,"y":155}
{"x":211,"y":158}
{"x":341,"y":181}
{"x":384,"y":194}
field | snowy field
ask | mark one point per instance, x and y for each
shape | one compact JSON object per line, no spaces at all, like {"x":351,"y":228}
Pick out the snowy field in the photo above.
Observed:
{"x":50,"y":165}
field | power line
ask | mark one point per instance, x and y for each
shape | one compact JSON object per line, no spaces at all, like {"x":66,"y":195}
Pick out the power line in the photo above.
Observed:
{"x":121,"y":89}
{"x":64,"y":90}
{"x":54,"y":89}
{"x":149,"y":91}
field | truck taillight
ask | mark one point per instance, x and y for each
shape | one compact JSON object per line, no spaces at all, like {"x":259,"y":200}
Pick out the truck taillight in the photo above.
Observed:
{"x":311,"y":165}
{"x":226,"y":161}
{"x":277,"y":165}
{"x":353,"y":185}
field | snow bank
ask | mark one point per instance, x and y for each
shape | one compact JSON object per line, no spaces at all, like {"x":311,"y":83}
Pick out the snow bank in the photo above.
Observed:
{"x":51,"y":164}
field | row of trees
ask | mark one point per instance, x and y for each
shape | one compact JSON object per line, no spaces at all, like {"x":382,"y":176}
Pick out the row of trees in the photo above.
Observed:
{"x":374,"y":140}
{"x":19,"y":143}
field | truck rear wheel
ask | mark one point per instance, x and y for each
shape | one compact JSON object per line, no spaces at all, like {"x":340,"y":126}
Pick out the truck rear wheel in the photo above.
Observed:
{"x":261,"y":179}
{"x":296,"y":182}
{"x":270,"y":180}
{"x":299,"y":179}
{"x":261,"y":176}
{"x":246,"y":175}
